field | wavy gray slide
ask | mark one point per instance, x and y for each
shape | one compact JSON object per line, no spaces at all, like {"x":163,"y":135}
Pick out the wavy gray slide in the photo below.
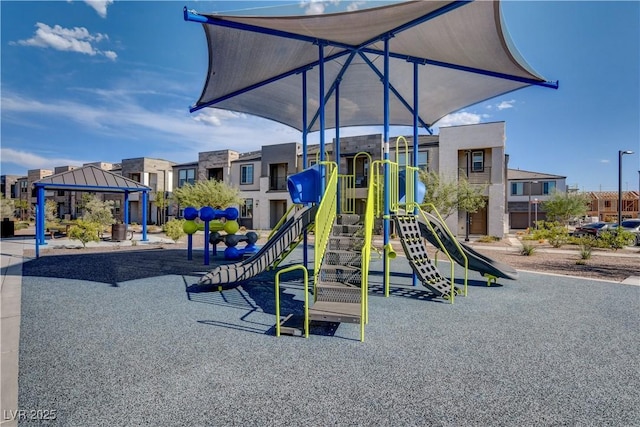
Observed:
{"x":266,"y":256}
{"x":477,"y":261}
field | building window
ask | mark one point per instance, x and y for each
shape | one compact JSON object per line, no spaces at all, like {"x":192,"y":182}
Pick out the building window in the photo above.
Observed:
{"x":607,"y":204}
{"x":477,"y":161}
{"x":246,"y":174}
{"x":60,"y":193}
{"x":186,"y":176}
{"x":423,"y":159}
{"x":24,"y":185}
{"x":517,"y":188}
{"x":135,"y":177}
{"x":548,"y":187}
{"x":246,"y":210}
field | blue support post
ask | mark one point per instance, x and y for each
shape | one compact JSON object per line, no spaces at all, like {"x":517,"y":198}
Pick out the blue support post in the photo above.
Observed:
{"x":387,"y":180}
{"x":125,"y":217}
{"x":40,"y":215}
{"x":305,"y":251}
{"x":145,"y":201}
{"x":36,"y":240}
{"x":415,"y":148}
{"x":206,"y":243}
{"x":336,"y":148}
{"x":322,"y":120}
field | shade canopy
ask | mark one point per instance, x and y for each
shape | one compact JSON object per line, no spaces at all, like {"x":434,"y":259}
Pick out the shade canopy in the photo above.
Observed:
{"x":462,"y":49}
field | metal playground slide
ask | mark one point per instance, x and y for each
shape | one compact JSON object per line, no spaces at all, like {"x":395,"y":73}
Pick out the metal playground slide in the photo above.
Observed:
{"x":477,"y":262}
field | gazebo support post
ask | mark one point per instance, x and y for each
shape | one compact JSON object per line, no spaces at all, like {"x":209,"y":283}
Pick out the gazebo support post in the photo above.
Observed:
{"x":145,"y":201}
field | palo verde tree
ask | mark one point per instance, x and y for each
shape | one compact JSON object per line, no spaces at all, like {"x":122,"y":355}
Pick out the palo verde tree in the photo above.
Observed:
{"x":562,"y":206}
{"x":98,"y":211}
{"x":7,"y":208}
{"x":207,"y":193}
{"x":450,"y":195}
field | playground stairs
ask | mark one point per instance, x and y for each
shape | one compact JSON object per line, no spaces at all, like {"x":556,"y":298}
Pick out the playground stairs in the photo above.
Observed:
{"x":414,"y":246}
{"x":338,"y":288}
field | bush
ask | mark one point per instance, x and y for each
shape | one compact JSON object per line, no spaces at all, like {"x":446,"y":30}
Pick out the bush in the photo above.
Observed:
{"x":173,"y":229}
{"x":489,"y":239}
{"x":527,"y":249}
{"x":85,"y":231}
{"x":616,"y":240}
{"x":585,"y":251}
{"x":552,"y":231}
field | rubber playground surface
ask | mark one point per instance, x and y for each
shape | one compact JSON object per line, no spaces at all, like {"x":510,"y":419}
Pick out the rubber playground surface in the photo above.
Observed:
{"x":116,"y":339}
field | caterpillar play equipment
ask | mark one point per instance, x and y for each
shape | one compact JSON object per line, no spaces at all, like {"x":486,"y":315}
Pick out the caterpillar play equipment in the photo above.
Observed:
{"x":214,"y":221}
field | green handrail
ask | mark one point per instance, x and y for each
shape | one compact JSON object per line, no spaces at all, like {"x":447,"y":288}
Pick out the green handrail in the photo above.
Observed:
{"x":325,"y":216}
{"x":306,"y":297}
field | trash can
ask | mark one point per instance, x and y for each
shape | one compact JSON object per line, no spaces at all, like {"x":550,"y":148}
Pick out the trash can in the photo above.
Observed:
{"x":7,"y":228}
{"x":118,"y":232}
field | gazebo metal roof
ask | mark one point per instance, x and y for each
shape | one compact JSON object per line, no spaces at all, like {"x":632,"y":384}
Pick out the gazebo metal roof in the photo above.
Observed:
{"x":90,"y":178}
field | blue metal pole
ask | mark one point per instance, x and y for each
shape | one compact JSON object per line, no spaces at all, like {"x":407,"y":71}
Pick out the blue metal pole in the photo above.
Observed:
{"x":415,"y":148}
{"x":305,"y":132}
{"x":145,"y":198}
{"x":322,"y":100}
{"x":40,"y":216}
{"x":125,"y":217}
{"x":336,"y":149}
{"x":387,"y":180}
{"x":206,"y":243}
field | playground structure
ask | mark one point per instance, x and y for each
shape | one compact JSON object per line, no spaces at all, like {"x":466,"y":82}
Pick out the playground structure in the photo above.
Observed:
{"x":214,"y":221}
{"x":467,"y":57}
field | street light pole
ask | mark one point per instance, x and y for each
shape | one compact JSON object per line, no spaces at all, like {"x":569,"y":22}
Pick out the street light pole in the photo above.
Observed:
{"x":535,"y":208}
{"x":620,"y":154}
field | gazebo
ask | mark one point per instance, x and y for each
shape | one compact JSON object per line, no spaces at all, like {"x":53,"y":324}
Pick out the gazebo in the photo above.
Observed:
{"x":93,"y":179}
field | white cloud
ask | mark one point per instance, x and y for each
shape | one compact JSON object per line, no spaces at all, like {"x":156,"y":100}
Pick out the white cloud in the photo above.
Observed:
{"x":100,"y":6}
{"x":33,"y":161}
{"x":506,"y":104}
{"x":317,"y":7}
{"x":77,"y":39}
{"x":354,"y":5}
{"x":604,"y":161}
{"x":215,"y":117}
{"x":458,"y":119}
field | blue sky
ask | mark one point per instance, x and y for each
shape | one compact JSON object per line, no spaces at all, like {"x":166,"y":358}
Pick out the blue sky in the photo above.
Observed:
{"x":102,"y":81}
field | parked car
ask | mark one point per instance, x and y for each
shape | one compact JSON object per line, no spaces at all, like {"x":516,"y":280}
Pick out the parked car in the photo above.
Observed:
{"x":632,"y":226}
{"x":594,"y":229}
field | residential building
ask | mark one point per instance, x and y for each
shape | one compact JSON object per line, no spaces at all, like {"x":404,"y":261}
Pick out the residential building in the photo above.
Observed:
{"x":527,"y":192}
{"x":604,"y":205}
{"x":155,"y":173}
{"x":9,"y":186}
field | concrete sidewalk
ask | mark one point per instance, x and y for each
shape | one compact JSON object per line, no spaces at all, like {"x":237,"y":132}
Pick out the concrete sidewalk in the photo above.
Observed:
{"x":11,"y":250}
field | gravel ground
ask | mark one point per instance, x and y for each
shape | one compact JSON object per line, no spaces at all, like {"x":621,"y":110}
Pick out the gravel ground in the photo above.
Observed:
{"x":116,"y":339}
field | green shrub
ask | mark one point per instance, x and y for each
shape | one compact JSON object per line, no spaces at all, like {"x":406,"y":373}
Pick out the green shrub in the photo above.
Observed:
{"x":173,"y":229}
{"x":489,"y":239}
{"x":585,"y":251}
{"x":552,"y":231}
{"x":616,"y":240}
{"x":85,"y":231}
{"x":527,"y":249}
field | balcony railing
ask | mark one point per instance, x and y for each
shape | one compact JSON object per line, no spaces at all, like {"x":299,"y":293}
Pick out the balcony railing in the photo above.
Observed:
{"x":277,"y":184}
